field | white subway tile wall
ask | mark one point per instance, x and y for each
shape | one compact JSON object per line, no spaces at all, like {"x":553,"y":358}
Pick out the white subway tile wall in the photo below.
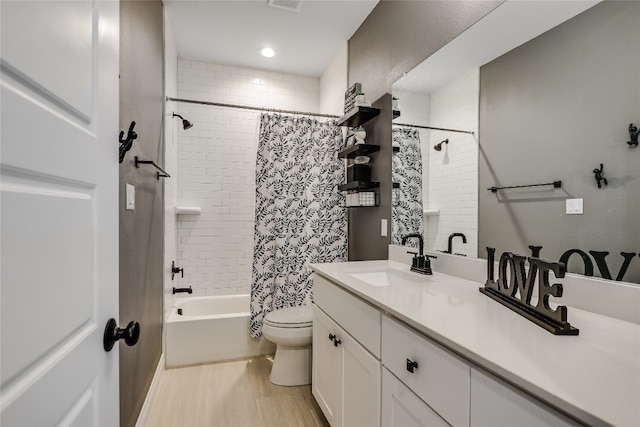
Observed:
{"x":333,"y":83}
{"x":216,"y":168}
{"x":171,"y":125}
{"x":453,"y":172}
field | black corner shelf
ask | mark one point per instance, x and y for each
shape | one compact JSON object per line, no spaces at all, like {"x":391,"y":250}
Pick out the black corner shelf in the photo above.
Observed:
{"x":358,"y":116}
{"x":396,"y":185}
{"x":358,"y":150}
{"x":396,"y":114}
{"x":396,"y":149}
{"x":358,"y":186}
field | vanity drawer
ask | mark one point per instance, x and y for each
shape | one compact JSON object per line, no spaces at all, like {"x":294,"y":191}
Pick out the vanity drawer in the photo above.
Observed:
{"x":441,"y":379}
{"x":358,"y":318}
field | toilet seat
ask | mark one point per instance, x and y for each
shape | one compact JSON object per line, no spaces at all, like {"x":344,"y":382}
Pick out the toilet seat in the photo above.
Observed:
{"x":291,"y":317}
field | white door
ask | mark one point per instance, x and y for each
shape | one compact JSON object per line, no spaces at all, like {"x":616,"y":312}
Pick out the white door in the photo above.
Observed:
{"x":59,"y":212}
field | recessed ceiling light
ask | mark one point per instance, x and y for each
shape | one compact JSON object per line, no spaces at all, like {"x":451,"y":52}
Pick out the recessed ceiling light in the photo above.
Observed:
{"x":267,"y":52}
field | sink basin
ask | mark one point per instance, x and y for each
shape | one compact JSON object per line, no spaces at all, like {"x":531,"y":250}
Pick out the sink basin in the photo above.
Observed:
{"x":387,"y":277}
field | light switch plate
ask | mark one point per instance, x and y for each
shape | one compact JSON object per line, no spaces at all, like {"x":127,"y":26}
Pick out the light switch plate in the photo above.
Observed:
{"x":383,"y":227}
{"x":574,"y":207}
{"x":130,"y":197}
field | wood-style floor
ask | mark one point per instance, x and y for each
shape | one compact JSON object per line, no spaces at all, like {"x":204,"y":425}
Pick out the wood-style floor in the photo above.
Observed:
{"x":234,"y":394}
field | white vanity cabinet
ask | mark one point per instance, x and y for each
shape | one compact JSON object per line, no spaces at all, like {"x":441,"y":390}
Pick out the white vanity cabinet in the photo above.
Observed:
{"x":402,"y":408}
{"x":495,"y":403}
{"x":438,"y":377}
{"x":346,"y":369}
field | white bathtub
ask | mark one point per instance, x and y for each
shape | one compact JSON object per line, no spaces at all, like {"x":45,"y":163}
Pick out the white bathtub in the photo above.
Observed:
{"x":211,"y":329}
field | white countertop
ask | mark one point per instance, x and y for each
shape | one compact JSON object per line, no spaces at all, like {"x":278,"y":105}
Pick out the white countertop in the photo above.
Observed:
{"x":594,"y":377}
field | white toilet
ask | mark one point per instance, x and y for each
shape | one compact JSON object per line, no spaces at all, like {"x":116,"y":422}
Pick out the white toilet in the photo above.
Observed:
{"x":291,"y":330}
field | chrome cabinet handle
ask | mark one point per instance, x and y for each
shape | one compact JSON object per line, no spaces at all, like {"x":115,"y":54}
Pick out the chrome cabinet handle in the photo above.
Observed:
{"x":411,"y":365}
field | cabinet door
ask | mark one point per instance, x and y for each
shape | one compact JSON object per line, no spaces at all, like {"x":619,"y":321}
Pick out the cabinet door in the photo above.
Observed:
{"x":327,"y":367}
{"x":494,"y":403}
{"x":361,"y":385}
{"x":402,"y":408}
{"x":439,"y":377}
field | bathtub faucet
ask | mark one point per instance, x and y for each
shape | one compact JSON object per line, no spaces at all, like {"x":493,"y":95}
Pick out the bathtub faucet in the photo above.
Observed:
{"x":180,"y":290}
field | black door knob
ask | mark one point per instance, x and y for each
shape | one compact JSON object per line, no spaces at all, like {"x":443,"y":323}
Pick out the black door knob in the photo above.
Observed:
{"x":112,"y":334}
{"x":411,"y":365}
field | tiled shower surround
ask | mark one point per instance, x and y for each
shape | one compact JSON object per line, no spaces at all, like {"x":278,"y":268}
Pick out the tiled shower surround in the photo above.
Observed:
{"x":216,"y":168}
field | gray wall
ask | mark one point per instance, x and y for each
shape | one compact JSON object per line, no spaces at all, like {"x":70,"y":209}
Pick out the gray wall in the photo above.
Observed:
{"x":554,"y":109}
{"x":395,"y":37}
{"x":398,"y":35}
{"x":141,"y":230}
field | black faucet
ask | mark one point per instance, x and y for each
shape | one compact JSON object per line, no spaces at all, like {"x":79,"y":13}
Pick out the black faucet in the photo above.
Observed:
{"x":450,"y":244}
{"x":420,"y":241}
{"x":420,"y":263}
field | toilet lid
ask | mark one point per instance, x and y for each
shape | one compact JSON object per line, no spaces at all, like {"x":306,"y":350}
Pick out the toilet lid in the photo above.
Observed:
{"x":291,"y":317}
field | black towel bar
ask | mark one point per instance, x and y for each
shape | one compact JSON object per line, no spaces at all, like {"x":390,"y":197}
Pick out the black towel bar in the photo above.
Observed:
{"x":159,"y":175}
{"x":556,"y":184}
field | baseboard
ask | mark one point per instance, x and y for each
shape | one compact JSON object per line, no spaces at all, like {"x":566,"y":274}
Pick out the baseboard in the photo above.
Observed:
{"x":151,"y":395}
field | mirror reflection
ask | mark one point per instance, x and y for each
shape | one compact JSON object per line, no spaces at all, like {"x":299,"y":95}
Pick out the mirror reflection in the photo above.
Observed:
{"x":525,"y":113}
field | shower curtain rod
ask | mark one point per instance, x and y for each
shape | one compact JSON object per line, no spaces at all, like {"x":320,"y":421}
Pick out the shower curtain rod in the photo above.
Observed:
{"x":432,"y":128}
{"x":250,"y":107}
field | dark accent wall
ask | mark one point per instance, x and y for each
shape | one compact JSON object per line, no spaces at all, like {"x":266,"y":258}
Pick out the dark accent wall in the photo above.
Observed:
{"x":141,"y":230}
{"x":398,"y":35}
{"x":554,"y":109}
{"x":395,"y":37}
{"x":365,"y":240}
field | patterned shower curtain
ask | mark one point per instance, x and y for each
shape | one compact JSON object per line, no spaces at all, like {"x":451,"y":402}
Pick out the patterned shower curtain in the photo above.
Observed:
{"x":406,"y":205}
{"x":300,"y":215}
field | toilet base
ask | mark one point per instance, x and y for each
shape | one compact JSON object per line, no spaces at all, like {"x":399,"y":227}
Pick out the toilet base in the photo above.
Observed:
{"x":291,"y":366}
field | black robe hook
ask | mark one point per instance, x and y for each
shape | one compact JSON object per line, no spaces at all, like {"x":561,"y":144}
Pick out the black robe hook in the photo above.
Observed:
{"x":633,"y":134}
{"x":600,"y":176}
{"x":127,"y":143}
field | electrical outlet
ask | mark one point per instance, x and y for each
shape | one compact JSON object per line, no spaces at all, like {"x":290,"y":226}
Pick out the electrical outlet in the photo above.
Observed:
{"x":130,"y":197}
{"x":383,"y":227}
{"x":574,"y":207}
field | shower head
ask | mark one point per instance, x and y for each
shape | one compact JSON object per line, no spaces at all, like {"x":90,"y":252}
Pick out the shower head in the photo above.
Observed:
{"x":438,"y":147}
{"x":186,"y":124}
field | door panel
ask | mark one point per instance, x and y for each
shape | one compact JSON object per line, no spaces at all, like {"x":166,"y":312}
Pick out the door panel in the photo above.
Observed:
{"x":59,"y":211}
{"x":59,"y":37}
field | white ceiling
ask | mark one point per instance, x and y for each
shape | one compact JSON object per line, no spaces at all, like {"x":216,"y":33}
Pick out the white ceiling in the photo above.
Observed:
{"x":231,"y":32}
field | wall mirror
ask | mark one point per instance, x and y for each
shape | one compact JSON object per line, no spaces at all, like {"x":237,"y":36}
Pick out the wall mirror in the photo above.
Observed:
{"x":526,"y":96}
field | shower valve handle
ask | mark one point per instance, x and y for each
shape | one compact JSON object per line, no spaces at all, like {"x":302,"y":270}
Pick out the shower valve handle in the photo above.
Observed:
{"x":175,"y":270}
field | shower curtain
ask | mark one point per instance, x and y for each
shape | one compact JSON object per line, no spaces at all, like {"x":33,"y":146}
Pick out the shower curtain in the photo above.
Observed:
{"x":406,"y":205}
{"x":300,"y":215}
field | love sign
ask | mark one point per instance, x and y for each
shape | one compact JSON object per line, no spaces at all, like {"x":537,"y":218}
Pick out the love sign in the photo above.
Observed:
{"x":515,"y":288}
